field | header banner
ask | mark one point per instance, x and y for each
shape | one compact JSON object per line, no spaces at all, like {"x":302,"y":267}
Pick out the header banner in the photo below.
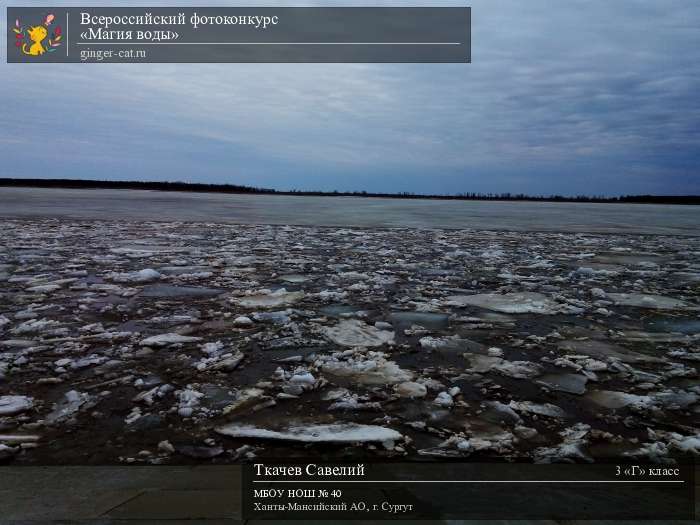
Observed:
{"x":234,"y":35}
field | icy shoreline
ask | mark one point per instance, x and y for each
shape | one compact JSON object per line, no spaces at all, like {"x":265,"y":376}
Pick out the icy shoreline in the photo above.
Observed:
{"x":180,"y":342}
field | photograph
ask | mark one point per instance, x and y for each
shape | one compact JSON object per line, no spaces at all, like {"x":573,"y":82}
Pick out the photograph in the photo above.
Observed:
{"x":436,"y":235}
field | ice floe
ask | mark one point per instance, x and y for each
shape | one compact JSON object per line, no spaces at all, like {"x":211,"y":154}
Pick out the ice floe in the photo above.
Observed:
{"x":516,"y":369}
{"x":269,"y":299}
{"x":146,"y":275}
{"x":411,"y":390}
{"x":572,"y":448}
{"x":353,"y":333}
{"x":168,"y":339}
{"x":310,"y":433}
{"x":11,"y":405}
{"x":371,"y":369}
{"x":658,"y":302}
{"x":543,"y":409}
{"x":509,"y":303}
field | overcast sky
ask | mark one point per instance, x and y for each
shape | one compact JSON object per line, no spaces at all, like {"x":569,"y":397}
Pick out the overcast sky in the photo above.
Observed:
{"x":569,"y":96}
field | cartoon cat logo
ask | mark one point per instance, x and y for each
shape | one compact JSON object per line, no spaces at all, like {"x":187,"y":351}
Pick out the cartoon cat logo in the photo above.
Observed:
{"x":36,"y":36}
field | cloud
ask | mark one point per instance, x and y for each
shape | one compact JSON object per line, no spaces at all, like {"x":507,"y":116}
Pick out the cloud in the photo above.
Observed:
{"x":578,"y":96}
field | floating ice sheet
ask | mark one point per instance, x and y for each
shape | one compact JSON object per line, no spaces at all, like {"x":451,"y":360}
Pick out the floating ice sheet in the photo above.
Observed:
{"x":357,"y":333}
{"x":11,"y":405}
{"x":510,"y":303}
{"x":168,"y":339}
{"x":658,"y":302}
{"x":333,"y":433}
{"x":269,"y":299}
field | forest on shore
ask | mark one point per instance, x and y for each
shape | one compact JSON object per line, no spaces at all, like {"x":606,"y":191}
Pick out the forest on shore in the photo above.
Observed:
{"x":238,"y":189}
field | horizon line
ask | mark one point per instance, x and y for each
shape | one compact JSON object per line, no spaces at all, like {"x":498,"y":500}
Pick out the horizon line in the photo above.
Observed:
{"x":203,"y":187}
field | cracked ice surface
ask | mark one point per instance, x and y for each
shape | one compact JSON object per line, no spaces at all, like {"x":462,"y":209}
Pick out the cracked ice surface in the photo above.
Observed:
{"x":179,"y":342}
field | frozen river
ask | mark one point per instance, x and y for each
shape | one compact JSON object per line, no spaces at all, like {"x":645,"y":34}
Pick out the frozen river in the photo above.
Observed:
{"x":186,"y":342}
{"x":348,"y":211}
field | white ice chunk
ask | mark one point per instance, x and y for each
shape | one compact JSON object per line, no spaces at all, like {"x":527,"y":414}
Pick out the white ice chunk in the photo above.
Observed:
{"x":269,"y":299}
{"x":188,"y":401}
{"x":142,"y":276}
{"x":444,"y":400}
{"x":510,"y":303}
{"x":73,"y":401}
{"x":242,"y":321}
{"x":571,"y":449}
{"x":614,"y":400}
{"x":659,"y":302}
{"x":44,"y":288}
{"x":332,"y":433}
{"x":11,"y":405}
{"x":544,"y":409}
{"x":168,"y":339}
{"x":515,"y":369}
{"x":377,"y":371}
{"x":411,"y":390}
{"x":357,"y":333}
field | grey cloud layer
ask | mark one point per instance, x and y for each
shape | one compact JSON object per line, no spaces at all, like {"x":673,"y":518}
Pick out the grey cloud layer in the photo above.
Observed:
{"x":576,"y":96}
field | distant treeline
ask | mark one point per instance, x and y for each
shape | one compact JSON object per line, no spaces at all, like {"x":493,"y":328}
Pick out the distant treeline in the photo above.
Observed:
{"x":237,"y":189}
{"x":131,"y":185}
